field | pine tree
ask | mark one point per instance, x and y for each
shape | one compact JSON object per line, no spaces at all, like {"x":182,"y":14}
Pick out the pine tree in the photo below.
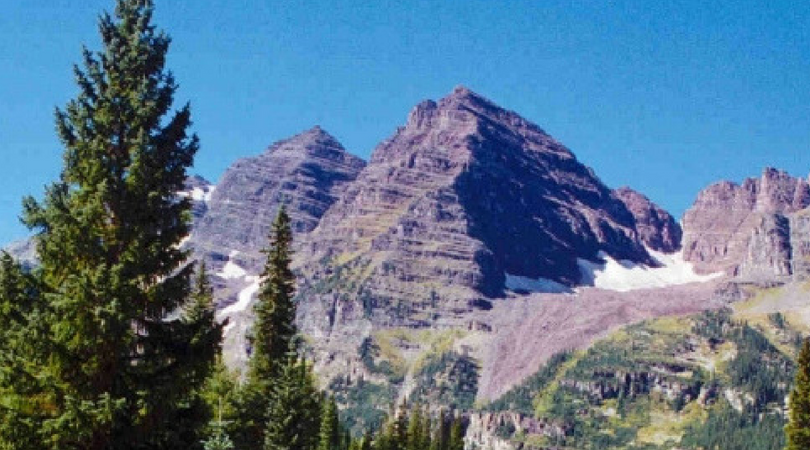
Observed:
{"x":219,"y":439}
{"x":23,"y":400}
{"x":441,"y":435}
{"x":798,"y":429}
{"x":274,"y":329}
{"x":273,"y":332}
{"x":291,"y":424}
{"x":116,"y":368}
{"x":330,"y":436}
{"x":415,"y":432}
{"x":456,"y":441}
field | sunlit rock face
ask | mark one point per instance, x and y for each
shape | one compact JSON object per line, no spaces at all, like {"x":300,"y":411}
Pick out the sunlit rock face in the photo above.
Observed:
{"x":745,"y":229}
{"x":306,"y":172}
{"x":463,"y":198}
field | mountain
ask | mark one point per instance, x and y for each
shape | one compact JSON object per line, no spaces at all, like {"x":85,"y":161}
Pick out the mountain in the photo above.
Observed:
{"x":421,"y":267}
{"x":657,"y":229}
{"x":755,"y":230}
{"x":463,"y":201}
{"x":475,"y":263}
{"x":306,"y":172}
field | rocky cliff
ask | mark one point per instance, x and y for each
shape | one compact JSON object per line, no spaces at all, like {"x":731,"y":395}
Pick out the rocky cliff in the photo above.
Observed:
{"x":745,"y":229}
{"x":462,"y":197}
{"x":657,"y":229}
{"x":307,"y":172}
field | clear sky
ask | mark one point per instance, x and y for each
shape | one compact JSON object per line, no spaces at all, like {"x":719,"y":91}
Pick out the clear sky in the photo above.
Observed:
{"x":664,"y":96}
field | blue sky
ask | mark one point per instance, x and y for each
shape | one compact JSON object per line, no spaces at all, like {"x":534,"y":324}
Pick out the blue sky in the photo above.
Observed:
{"x":666,"y":97}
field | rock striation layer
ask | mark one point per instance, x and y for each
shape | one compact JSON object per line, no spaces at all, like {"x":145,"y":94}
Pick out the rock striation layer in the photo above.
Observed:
{"x":461,"y":197}
{"x":656,"y":227}
{"x":746,"y":229}
{"x":307,"y":172}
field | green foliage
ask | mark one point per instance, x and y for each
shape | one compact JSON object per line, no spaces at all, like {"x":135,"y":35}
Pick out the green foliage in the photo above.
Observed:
{"x":363,"y":400}
{"x":521,"y":397}
{"x":798,"y":428}
{"x":646,"y":387}
{"x":274,"y":329}
{"x":104,"y":364}
{"x":294,"y":406}
{"x":272,"y":337}
{"x":448,"y":379}
{"x":330,"y":432}
{"x":412,"y":430}
{"x":727,"y":429}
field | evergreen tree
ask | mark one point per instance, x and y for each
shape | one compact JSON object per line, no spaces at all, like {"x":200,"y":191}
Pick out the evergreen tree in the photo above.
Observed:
{"x":23,"y":400}
{"x":366,"y":441}
{"x":273,"y":332}
{"x":274,"y":329}
{"x":115,"y":370}
{"x":426,"y":431}
{"x":291,"y":424}
{"x":798,"y":429}
{"x":441,"y":434}
{"x":330,"y":436}
{"x":415,"y":432}
{"x":456,"y":441}
{"x":219,"y":439}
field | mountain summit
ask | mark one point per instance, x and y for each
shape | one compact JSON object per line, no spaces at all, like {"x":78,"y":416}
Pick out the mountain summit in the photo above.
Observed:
{"x":464,"y":199}
{"x":307,"y":172}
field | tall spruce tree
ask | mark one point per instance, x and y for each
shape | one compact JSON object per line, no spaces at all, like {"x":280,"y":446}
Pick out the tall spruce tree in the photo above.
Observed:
{"x":23,"y":403}
{"x":330,"y":432}
{"x":797,"y":430}
{"x":274,"y":328}
{"x":273,"y":333}
{"x":293,"y":405}
{"x":115,"y":368}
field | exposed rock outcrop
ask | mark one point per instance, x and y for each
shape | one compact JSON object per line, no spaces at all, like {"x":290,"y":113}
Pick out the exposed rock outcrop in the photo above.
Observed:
{"x":306,"y":172}
{"x":656,"y":227}
{"x":463,"y":194}
{"x":734,"y":228}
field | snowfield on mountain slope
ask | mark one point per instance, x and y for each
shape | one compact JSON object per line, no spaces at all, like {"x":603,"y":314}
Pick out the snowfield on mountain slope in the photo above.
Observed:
{"x":618,"y":275}
{"x":623,"y":276}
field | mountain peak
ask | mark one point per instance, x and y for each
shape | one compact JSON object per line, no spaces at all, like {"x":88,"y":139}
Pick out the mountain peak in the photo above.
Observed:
{"x":313,"y":140}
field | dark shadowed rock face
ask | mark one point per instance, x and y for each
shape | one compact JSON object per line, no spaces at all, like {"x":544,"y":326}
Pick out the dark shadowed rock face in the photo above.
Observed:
{"x":656,"y":227}
{"x":306,"y":172}
{"x":742,"y":228}
{"x":463,"y":194}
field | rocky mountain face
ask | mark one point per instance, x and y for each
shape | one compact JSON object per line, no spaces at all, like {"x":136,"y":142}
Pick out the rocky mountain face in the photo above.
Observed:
{"x":755,"y":230}
{"x":462,"y":196}
{"x":306,"y":172}
{"x":656,"y":228}
{"x":199,"y":190}
{"x":411,"y":268}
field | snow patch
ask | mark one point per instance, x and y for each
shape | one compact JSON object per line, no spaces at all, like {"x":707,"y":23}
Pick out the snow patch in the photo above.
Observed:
{"x":231,"y":269}
{"x":623,"y":275}
{"x":199,"y":194}
{"x":244,"y":297}
{"x":520,"y":283}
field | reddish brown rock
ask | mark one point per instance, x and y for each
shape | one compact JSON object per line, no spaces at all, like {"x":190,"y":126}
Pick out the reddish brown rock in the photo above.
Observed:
{"x":656,"y":227}
{"x":719,"y":227}
{"x":463,"y":194}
